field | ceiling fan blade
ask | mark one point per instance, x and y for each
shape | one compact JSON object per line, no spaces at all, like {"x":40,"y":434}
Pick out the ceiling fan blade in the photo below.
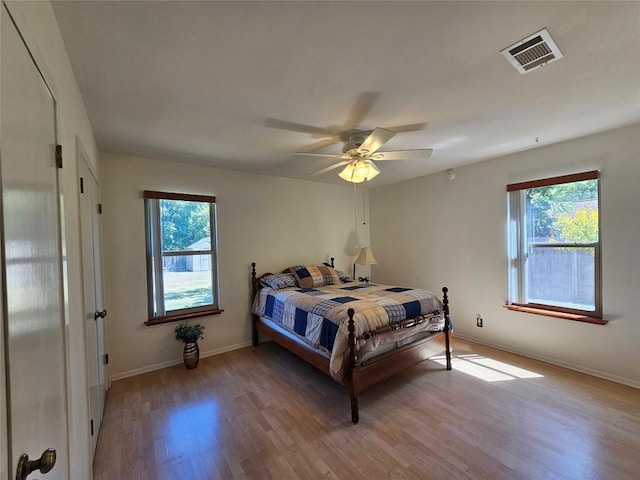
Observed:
{"x":298,"y":127}
{"x":330,"y":155}
{"x":420,"y":154}
{"x":328,"y":169}
{"x":414,"y":127}
{"x":375,"y":140}
{"x":361,"y":109}
{"x":319,"y":144}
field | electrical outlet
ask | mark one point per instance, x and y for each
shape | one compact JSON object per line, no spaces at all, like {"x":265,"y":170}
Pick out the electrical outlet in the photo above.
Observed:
{"x":479,"y":320}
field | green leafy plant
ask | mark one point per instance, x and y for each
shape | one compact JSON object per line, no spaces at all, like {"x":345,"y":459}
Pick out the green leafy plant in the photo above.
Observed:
{"x":580,"y":227}
{"x":187,"y":332}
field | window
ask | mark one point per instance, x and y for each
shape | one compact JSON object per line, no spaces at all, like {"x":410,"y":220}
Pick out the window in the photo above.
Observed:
{"x":182,"y":278}
{"x":554,"y":245}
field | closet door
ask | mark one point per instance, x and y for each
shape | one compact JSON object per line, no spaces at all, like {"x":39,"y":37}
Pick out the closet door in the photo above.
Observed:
{"x":95,"y":312}
{"x":32,"y":294}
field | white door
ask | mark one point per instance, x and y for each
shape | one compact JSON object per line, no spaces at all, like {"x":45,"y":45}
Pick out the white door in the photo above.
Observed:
{"x":93,"y":298}
{"x":32,"y":295}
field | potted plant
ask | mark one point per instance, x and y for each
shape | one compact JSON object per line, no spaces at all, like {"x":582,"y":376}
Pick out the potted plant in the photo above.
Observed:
{"x":189,"y":334}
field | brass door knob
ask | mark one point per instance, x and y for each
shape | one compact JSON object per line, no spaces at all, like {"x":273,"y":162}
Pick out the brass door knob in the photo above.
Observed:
{"x":45,"y":463}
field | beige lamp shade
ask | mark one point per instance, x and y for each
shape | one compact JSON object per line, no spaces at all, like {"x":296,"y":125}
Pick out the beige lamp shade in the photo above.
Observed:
{"x":365,"y":257}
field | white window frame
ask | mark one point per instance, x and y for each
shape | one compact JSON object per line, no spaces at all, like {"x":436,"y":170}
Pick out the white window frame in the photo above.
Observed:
{"x":155,"y":255}
{"x":519,"y":248}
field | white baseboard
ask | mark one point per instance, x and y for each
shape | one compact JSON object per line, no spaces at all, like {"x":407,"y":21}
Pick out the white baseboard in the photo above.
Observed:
{"x":177,"y":361}
{"x":554,"y":361}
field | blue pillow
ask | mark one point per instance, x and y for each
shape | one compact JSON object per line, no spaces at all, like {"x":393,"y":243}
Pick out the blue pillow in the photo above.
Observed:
{"x":343,"y":276}
{"x":279,"y":281}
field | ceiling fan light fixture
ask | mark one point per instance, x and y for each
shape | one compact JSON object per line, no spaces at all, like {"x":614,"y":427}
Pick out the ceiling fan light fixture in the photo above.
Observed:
{"x":349,"y":174}
{"x":373,"y":171}
{"x":362,"y":168}
{"x":358,"y":171}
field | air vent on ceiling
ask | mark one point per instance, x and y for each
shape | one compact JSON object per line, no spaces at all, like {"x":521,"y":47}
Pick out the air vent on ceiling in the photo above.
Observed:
{"x":532,"y":52}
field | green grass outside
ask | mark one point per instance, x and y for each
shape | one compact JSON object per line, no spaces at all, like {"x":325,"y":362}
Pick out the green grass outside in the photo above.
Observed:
{"x":187,"y":290}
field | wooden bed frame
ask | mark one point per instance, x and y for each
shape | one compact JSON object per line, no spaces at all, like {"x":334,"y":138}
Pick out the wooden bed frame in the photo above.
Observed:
{"x":360,"y":377}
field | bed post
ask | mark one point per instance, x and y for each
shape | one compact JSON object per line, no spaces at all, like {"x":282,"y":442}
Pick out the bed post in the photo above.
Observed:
{"x":447,"y":324}
{"x":353,"y":362}
{"x":332,"y":260}
{"x":254,"y":319}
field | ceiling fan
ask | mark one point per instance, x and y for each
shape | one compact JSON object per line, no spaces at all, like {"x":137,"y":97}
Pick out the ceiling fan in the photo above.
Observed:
{"x":360,"y":151}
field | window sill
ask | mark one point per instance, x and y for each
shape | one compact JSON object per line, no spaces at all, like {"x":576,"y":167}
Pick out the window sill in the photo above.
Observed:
{"x":183,"y":316}
{"x":553,"y":313}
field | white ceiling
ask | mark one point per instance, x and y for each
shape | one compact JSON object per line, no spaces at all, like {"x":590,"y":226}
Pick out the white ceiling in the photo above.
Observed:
{"x":211,"y":82}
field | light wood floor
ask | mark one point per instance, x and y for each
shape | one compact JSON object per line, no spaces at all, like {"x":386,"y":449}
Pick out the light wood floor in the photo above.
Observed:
{"x":261,"y":413}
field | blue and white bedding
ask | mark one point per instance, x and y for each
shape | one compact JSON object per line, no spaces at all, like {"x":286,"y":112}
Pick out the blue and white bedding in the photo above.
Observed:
{"x":318,"y":315}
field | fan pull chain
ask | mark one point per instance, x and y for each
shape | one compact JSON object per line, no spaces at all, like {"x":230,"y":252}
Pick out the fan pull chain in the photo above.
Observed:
{"x":364,"y":211}
{"x":355,"y":214}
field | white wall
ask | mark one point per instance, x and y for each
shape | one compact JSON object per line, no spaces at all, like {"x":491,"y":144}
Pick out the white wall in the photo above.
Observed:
{"x":455,"y":232}
{"x":276,"y":222}
{"x":39,"y":27}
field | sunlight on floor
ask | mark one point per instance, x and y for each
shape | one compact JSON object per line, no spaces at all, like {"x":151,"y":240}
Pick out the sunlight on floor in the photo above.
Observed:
{"x":486,"y":368}
{"x":188,"y":426}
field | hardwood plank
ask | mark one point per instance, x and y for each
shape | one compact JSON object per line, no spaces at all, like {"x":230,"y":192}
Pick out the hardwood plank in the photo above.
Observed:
{"x":262,"y":413}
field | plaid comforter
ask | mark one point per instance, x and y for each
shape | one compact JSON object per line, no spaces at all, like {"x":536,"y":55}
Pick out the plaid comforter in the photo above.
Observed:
{"x":319,"y":315}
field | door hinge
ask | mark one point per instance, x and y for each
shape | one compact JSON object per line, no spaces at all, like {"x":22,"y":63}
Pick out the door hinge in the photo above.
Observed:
{"x":81,"y":185}
{"x":92,"y":427}
{"x":105,"y":359}
{"x":59,"y":156}
{"x":100,"y":208}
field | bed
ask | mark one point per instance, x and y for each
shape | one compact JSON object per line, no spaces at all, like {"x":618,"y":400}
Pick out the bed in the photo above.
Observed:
{"x":359,"y":333}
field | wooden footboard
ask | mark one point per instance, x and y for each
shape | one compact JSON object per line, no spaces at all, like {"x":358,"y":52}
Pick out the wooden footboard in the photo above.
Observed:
{"x":397,"y":360}
{"x":360,"y":376}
